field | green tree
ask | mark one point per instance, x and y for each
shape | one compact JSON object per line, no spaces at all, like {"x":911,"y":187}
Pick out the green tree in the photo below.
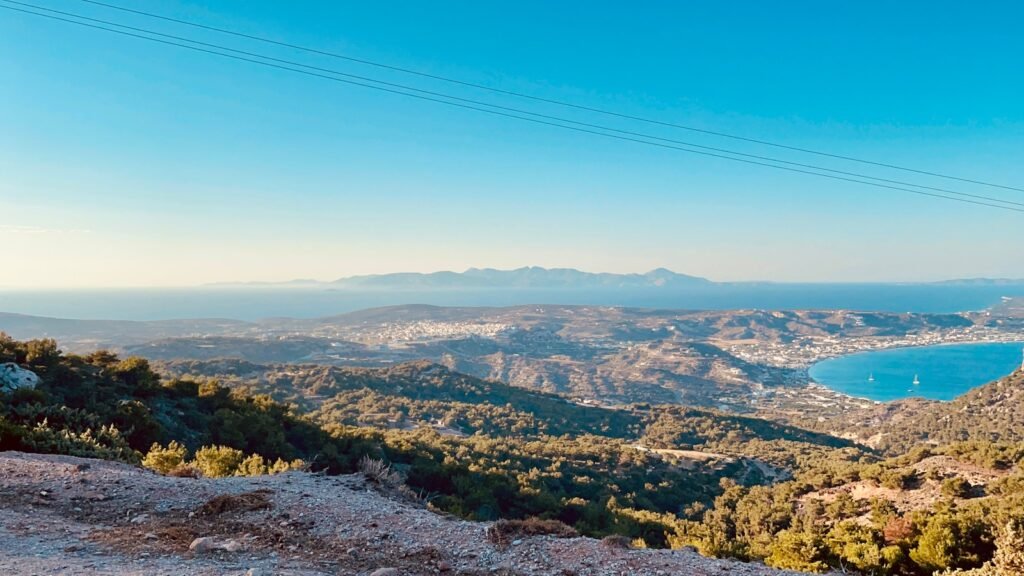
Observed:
{"x":1009,"y":556}
{"x":937,"y":547}
{"x":898,"y":479}
{"x":802,"y":551}
{"x":42,"y":353}
{"x":136,"y":375}
{"x":857,"y":546}
{"x":952,"y":539}
{"x":956,"y":488}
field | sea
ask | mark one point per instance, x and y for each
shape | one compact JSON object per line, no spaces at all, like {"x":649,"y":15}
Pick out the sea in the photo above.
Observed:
{"x":253,"y":303}
{"x":943,"y":371}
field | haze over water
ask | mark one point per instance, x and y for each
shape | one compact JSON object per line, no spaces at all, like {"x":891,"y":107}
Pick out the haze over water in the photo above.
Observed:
{"x":253,"y":303}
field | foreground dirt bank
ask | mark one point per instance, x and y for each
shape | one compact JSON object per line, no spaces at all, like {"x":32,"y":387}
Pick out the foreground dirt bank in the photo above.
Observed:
{"x":65,"y":515}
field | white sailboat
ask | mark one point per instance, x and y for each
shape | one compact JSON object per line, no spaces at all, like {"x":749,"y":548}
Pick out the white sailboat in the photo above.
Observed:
{"x":871,"y":377}
{"x":916,"y":380}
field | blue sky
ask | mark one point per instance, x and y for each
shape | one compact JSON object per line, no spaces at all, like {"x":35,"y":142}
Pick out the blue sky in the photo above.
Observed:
{"x":129,"y":163}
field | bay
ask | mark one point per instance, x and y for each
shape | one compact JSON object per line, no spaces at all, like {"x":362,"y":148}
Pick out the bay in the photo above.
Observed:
{"x":944,"y":371}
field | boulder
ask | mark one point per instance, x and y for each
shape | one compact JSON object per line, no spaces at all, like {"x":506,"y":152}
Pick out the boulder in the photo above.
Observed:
{"x":207,"y":544}
{"x":14,"y":377}
{"x":203,"y":545}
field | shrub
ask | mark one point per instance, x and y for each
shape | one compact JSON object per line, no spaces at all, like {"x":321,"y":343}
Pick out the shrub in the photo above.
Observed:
{"x":899,"y":479}
{"x":937,"y":546}
{"x":164,"y":460}
{"x":952,"y":540}
{"x":1009,"y":556}
{"x":105,"y":443}
{"x":504,"y":532}
{"x":283,"y":466}
{"x":956,"y":488}
{"x":616,"y":541}
{"x":379,"y":472}
{"x":218,"y":461}
{"x":11,"y":435}
{"x":136,"y":375}
{"x":793,"y":550}
{"x":253,"y":465}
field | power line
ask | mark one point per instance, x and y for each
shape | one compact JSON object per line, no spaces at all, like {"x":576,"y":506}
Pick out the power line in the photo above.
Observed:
{"x":521,"y":111}
{"x":498,"y":113}
{"x":503,"y":114}
{"x":547,"y":100}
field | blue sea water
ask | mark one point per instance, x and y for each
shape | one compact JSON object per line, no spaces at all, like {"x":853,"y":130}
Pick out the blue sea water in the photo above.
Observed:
{"x":252,"y":303}
{"x":945,"y":371}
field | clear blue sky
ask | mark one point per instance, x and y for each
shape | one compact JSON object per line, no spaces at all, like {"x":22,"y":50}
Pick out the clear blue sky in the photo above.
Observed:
{"x":129,"y":163}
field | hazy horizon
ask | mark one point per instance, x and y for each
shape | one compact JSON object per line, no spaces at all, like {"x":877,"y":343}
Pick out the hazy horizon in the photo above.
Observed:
{"x":310,"y":281}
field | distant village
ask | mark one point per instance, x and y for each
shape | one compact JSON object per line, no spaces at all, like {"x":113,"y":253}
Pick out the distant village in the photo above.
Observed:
{"x":802,"y":352}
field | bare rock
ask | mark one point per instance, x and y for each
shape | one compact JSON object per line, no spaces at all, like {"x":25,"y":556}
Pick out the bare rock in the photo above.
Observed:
{"x":14,"y":377}
{"x":207,"y":544}
{"x":203,"y":545}
{"x":231,"y":546}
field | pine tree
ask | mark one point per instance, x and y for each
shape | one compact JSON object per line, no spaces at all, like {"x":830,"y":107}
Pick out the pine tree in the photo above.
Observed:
{"x":1009,"y":556}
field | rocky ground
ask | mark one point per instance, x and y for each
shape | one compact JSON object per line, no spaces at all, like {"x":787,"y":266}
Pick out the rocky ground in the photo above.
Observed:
{"x":65,"y":515}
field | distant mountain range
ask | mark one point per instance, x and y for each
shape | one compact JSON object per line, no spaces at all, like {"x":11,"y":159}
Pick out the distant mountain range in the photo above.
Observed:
{"x":983,"y":282}
{"x":527,"y":277}
{"x":531,"y":277}
{"x":536,"y":277}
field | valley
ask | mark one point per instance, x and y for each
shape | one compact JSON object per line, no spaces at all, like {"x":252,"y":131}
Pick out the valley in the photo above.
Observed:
{"x":747,"y":361}
{"x":695,"y":430}
{"x":867,"y":489}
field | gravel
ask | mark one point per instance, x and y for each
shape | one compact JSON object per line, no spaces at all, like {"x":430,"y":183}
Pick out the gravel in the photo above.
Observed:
{"x":66,"y":515}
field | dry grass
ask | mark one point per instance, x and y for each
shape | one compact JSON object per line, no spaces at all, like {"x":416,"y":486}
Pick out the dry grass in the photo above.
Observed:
{"x":185,"y":471}
{"x":616,"y":542}
{"x":245,"y":502}
{"x":174,"y":537}
{"x":380,"y":472}
{"x":504,"y":532}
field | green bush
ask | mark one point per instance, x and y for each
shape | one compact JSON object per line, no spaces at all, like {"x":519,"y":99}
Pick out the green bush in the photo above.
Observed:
{"x":163,"y":460}
{"x":282,"y":466}
{"x":956,"y":488}
{"x":218,"y":461}
{"x":1009,"y":556}
{"x":793,"y":550}
{"x":898,"y":479}
{"x":253,"y":465}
